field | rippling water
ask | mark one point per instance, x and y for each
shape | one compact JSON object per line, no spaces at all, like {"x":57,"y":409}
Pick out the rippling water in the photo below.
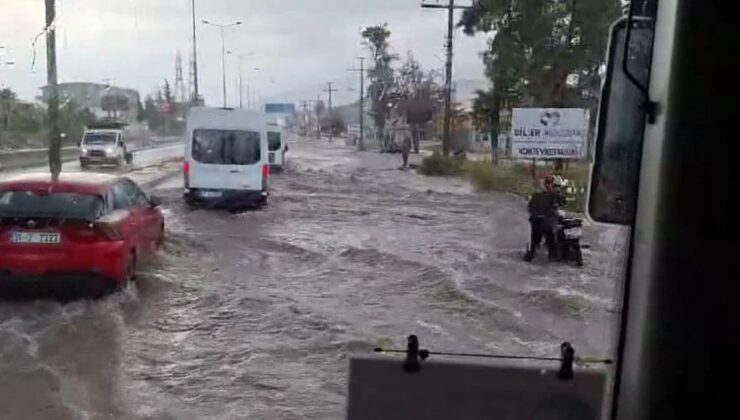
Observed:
{"x":253,"y":315}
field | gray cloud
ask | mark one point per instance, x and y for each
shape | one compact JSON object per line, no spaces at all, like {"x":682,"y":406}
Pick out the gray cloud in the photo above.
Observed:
{"x":298,"y":44}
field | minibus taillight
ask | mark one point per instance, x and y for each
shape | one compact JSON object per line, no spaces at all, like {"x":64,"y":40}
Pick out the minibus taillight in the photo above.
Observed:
{"x":265,"y":176}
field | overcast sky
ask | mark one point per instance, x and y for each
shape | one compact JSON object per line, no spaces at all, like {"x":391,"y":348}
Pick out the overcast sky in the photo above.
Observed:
{"x":298,"y":45}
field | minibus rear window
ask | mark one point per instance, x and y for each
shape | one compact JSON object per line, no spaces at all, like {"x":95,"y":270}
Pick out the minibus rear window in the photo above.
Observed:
{"x":226,"y":147}
{"x":273,"y":141}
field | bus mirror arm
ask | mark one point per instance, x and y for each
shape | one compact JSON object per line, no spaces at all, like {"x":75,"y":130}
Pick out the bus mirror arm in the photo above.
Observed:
{"x":649,"y":107}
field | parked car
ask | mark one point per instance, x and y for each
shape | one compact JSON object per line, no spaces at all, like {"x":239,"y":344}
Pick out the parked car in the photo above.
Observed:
{"x":81,"y":234}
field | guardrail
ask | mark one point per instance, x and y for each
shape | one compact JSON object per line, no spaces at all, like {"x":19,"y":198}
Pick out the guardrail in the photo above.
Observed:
{"x":23,"y":158}
{"x":16,"y":159}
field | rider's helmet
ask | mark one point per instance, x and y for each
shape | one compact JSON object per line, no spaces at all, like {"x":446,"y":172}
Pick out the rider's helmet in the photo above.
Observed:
{"x":548,"y":181}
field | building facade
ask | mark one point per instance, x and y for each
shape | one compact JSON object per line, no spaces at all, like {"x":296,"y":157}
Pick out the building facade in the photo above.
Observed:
{"x":105,"y":101}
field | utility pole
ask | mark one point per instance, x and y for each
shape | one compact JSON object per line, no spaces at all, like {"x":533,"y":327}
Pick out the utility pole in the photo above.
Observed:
{"x":362,"y":71}
{"x":308,"y":106}
{"x":448,"y":69}
{"x":55,"y":141}
{"x":331,"y":117}
{"x":241,"y":92}
{"x":304,"y":106}
{"x":318,"y":117}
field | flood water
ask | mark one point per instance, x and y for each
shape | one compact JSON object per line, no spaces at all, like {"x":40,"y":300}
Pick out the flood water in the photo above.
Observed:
{"x":253,"y":315}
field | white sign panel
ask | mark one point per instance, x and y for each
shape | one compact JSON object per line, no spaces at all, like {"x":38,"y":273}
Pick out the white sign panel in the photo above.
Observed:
{"x":549,"y":133}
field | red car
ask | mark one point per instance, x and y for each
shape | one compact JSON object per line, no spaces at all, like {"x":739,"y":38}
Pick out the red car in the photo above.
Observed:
{"x":84,"y":233}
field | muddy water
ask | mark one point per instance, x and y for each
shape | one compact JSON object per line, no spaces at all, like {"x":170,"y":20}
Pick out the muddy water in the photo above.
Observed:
{"x":253,"y":315}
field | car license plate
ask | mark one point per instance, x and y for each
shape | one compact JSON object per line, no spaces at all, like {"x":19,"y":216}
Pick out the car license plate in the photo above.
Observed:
{"x":211,"y":194}
{"x":572,"y":233}
{"x":35,"y":238}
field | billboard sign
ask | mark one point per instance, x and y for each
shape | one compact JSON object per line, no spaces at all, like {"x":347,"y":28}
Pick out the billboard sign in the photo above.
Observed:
{"x":277,"y":108}
{"x":549,"y":133}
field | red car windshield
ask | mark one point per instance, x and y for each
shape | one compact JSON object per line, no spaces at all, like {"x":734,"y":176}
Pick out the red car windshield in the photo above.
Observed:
{"x":57,"y":205}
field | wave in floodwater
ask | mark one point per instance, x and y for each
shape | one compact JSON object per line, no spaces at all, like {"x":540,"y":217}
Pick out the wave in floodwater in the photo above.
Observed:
{"x":62,"y":360}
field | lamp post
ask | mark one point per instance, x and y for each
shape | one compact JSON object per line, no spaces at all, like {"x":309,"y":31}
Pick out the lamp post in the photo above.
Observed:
{"x":239,"y":58}
{"x":223,"y":51}
{"x":253,"y":96}
{"x":196,"y":94}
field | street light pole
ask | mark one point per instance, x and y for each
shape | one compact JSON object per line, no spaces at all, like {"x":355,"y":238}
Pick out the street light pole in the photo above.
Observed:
{"x":196,"y":95}
{"x":223,"y":64}
{"x":239,"y":59}
{"x":223,"y":52}
{"x":251,"y":90}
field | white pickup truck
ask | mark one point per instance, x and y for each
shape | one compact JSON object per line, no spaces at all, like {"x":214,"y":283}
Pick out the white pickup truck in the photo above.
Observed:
{"x":104,"y":146}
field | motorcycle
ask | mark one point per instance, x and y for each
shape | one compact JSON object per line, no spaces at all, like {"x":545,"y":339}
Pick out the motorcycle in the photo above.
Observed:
{"x":568,"y":233}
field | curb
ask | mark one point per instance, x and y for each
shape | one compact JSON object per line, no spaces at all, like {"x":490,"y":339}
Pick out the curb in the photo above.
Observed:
{"x":152,"y":184}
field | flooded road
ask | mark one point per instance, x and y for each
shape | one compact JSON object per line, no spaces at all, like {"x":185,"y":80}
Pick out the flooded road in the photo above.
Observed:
{"x":253,"y":315}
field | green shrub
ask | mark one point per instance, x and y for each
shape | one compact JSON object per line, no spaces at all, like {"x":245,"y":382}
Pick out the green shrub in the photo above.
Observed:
{"x":439,"y":165}
{"x":483,"y":175}
{"x":503,"y":178}
{"x":510,"y":177}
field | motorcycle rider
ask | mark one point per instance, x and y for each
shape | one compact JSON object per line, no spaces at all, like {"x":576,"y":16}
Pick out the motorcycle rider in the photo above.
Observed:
{"x":543,"y":207}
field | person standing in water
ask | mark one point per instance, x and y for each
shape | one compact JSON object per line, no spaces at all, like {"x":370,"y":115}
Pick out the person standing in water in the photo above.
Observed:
{"x":405,"y":150}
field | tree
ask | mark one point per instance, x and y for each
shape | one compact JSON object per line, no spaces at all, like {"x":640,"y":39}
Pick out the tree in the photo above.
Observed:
{"x":73,"y":120}
{"x":114,"y":103}
{"x":542,"y":52}
{"x":418,"y":96}
{"x":7,"y":97}
{"x":485,"y":116}
{"x":140,"y":114}
{"x":333,"y":121}
{"x":150,"y":114}
{"x":381,"y":85}
{"x":167,"y":92}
